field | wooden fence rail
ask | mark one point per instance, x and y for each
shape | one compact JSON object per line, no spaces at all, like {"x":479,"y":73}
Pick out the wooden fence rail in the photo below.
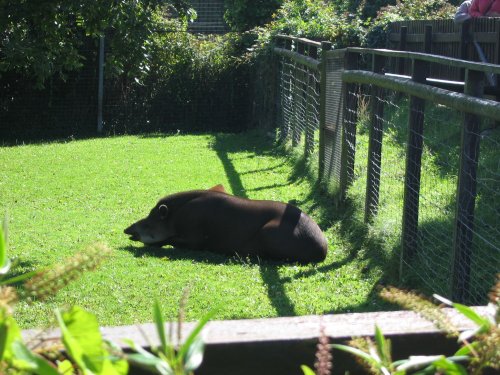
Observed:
{"x":340,"y":76}
{"x":466,"y":41}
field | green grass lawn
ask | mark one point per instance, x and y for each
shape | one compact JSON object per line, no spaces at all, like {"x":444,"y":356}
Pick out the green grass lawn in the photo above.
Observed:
{"x":62,"y":196}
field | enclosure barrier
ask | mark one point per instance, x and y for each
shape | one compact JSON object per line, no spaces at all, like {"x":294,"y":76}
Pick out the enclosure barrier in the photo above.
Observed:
{"x":475,"y":40}
{"x":298,"y":90}
{"x":409,"y":149}
{"x":282,"y":345}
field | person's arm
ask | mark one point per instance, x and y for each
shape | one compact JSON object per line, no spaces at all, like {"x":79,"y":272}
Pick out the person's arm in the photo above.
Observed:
{"x":462,"y":14}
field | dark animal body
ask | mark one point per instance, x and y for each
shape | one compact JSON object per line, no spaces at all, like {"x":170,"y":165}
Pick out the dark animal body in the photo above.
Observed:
{"x":219,"y":222}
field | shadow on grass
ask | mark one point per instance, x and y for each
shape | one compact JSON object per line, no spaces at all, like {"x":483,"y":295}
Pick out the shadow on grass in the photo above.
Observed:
{"x":329,"y":213}
{"x":173,"y":253}
{"x":224,"y":145}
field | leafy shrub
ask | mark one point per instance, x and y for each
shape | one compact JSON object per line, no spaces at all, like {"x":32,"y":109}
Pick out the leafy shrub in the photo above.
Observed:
{"x":44,"y":39}
{"x":318,"y":20}
{"x":243,"y":15}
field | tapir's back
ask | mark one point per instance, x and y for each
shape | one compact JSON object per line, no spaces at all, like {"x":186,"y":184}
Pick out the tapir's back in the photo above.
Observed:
{"x":228,"y":223}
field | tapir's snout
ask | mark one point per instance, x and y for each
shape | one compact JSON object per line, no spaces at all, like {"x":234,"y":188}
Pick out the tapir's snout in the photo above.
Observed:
{"x":149,"y":231}
{"x":132,"y":232}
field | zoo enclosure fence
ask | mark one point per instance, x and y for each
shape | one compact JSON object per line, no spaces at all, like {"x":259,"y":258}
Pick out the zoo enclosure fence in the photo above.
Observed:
{"x":422,"y":158}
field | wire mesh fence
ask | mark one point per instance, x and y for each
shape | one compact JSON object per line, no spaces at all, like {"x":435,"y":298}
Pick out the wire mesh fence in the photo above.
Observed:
{"x":423,"y":174}
{"x":64,"y":107}
{"x":298,"y":109}
{"x":441,"y":261}
{"x":431,"y":268}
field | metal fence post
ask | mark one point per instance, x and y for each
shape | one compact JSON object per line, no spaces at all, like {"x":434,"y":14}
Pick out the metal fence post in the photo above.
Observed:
{"x":413,"y":168}
{"x":100,"y":88}
{"x":466,"y":192}
{"x":375,"y":143}
{"x":325,"y":47}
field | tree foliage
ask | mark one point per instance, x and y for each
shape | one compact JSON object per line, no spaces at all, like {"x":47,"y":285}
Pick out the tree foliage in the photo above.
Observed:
{"x":45,"y":38}
{"x":243,"y":15}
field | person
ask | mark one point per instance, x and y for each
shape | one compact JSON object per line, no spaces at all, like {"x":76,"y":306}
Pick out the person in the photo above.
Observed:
{"x":462,"y":13}
{"x":485,"y":8}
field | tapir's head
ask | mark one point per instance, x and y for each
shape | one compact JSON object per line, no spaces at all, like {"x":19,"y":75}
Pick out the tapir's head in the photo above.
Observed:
{"x":154,"y":229}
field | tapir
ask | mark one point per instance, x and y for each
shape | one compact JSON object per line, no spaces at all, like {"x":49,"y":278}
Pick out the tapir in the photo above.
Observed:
{"x":216,"y":221}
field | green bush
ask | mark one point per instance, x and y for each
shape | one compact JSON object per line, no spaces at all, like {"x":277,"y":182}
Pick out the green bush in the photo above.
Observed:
{"x":242,"y":15}
{"x":318,"y":20}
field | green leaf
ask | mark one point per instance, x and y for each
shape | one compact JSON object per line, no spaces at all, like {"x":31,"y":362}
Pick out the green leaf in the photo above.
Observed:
{"x":4,"y":261}
{"x":27,"y":360}
{"x":72,"y":346}
{"x":19,"y":278}
{"x":194,"y":355}
{"x":9,"y":332}
{"x":160,"y":326}
{"x":417,"y":362}
{"x":84,"y":330}
{"x":147,"y":359}
{"x":307,"y":370}
{"x":450,"y":367}
{"x":358,"y":353}
{"x":151,"y":362}
{"x":65,"y":367}
{"x":194,"y":333}
{"x":472,"y":315}
{"x":466,"y":350}
{"x":382,"y":349}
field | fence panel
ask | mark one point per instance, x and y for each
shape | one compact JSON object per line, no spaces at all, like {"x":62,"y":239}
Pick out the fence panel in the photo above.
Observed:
{"x":462,"y":41}
{"x":419,"y":163}
{"x":298,"y":102}
{"x":333,"y":114}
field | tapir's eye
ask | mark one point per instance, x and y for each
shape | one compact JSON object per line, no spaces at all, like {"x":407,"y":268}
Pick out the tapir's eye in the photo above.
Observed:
{"x":163,"y":210}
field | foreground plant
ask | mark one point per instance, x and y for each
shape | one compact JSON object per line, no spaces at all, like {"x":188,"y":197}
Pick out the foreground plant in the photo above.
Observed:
{"x":166,"y":359}
{"x":479,"y":346}
{"x":81,"y":338}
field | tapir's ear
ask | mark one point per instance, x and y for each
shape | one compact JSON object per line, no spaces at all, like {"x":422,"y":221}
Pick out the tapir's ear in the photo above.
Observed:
{"x":163,"y":210}
{"x":218,"y":188}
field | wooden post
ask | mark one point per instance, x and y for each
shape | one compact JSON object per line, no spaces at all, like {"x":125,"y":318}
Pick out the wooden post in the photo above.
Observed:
{"x":466,"y":192}
{"x":403,"y":33}
{"x":100,"y":88}
{"x":428,"y":39}
{"x":300,"y":48}
{"x":375,"y":144}
{"x":325,"y":47}
{"x":349,"y":127}
{"x":464,"y":40}
{"x":413,"y":169}
{"x":313,"y":51}
{"x":464,"y":45}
